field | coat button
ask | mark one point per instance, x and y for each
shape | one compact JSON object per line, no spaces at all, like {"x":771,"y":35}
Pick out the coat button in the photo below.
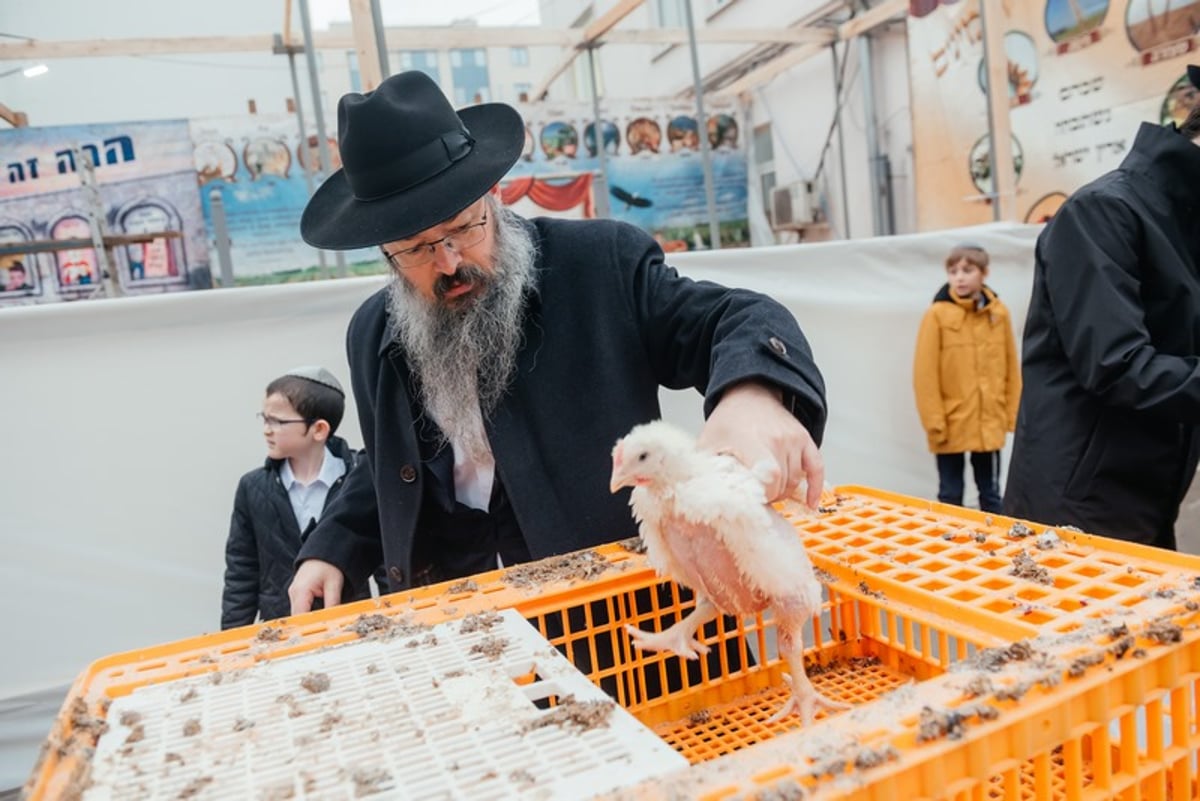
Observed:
{"x":396,"y":574}
{"x":777,"y":345}
{"x":408,"y":474}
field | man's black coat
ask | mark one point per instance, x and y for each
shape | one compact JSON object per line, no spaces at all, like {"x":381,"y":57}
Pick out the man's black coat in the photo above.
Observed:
{"x":608,"y":323}
{"x":1106,"y":433}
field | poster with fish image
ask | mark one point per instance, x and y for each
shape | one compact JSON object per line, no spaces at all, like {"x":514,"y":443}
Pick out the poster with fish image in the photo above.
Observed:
{"x":653,"y":166}
{"x":1082,"y":76}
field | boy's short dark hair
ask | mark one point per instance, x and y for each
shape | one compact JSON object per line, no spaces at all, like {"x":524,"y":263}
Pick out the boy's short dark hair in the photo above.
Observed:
{"x":312,"y":400}
{"x":971,"y":252}
{"x":1191,"y":126}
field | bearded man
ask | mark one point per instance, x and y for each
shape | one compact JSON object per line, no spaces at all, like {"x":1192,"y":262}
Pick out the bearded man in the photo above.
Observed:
{"x":506,"y":357}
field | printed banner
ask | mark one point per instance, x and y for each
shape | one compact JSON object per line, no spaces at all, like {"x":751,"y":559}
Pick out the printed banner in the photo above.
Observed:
{"x":654,"y":174}
{"x":256,"y":165}
{"x":165,"y":176}
{"x":1082,"y":76}
{"x":143,"y":184}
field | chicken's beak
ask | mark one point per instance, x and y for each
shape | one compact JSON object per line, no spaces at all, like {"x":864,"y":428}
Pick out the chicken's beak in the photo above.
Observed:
{"x":619,"y":479}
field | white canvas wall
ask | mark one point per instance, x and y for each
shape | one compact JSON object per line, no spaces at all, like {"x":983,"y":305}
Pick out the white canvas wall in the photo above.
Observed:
{"x":129,"y":422}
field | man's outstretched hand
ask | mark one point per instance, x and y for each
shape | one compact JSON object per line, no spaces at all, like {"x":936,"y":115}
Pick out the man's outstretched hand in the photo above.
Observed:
{"x":751,"y":424}
{"x":315,"y":579}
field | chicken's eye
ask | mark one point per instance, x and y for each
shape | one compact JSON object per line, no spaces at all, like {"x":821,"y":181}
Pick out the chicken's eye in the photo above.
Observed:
{"x":642,"y":456}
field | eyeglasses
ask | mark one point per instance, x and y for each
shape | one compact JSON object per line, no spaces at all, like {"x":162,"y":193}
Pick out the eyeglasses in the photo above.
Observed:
{"x":457,"y":240}
{"x":276,"y":423}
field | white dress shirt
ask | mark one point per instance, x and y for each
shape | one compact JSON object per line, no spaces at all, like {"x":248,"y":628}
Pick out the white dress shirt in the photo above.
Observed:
{"x":473,"y":481}
{"x":308,"y":500}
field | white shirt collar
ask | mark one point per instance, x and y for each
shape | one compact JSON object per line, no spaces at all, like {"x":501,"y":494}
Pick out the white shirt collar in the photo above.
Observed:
{"x":332,"y":468}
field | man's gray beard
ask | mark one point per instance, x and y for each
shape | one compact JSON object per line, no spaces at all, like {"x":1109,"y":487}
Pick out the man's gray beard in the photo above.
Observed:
{"x":463,"y":359}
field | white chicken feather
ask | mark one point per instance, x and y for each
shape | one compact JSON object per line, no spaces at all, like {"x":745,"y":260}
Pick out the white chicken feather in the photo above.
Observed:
{"x":706,"y":524}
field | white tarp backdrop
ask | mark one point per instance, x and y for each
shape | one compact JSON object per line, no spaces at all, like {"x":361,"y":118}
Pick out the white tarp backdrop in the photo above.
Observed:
{"x":131,"y":420}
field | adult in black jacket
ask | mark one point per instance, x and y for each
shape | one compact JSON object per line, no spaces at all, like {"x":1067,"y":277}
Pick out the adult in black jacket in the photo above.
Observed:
{"x":264,"y":538}
{"x":1107,"y":435}
{"x":509,"y":458}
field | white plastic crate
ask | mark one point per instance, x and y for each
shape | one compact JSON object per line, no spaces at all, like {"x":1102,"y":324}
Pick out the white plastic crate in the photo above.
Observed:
{"x":433,"y":714}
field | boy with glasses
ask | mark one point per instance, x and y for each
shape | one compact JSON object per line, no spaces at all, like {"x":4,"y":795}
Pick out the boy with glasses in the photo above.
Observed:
{"x":278,"y":504}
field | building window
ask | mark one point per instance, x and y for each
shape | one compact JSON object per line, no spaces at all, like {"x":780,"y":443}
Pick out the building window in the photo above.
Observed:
{"x":521,"y":91}
{"x":764,"y":145}
{"x":355,"y":73}
{"x":18,"y":271}
{"x":159,"y":260}
{"x":425,"y":61}
{"x":670,"y":13}
{"x":77,"y":267}
{"x":469,"y":76}
{"x":764,"y":164}
{"x":519,"y":56}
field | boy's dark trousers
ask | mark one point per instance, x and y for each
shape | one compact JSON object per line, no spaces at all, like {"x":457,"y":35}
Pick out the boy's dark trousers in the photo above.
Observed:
{"x":986,"y":467}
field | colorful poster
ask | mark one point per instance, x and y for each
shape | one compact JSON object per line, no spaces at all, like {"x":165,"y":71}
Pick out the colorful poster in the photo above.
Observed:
{"x":654,"y":174}
{"x":143,"y":184}
{"x":166,"y":176}
{"x":256,"y":166}
{"x":1082,"y":76}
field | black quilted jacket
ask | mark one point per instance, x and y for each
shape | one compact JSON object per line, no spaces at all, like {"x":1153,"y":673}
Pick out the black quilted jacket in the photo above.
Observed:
{"x":264,"y":539}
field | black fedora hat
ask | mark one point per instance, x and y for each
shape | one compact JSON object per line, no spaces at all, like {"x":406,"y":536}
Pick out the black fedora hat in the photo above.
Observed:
{"x":1194,"y":74}
{"x":409,"y":162}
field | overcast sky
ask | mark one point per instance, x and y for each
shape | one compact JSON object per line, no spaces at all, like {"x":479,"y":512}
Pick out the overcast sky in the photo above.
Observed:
{"x":432,"y":12}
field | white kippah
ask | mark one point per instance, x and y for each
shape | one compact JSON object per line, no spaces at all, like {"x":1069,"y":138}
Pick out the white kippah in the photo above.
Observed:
{"x":318,"y":374}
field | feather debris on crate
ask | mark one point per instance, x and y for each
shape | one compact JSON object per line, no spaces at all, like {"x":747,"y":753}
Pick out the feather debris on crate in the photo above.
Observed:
{"x":571,"y":567}
{"x":706,"y":523}
{"x":838,"y":752}
{"x":477,"y":689}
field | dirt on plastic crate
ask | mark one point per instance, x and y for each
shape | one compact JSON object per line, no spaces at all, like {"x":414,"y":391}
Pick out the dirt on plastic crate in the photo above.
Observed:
{"x":1052,"y":662}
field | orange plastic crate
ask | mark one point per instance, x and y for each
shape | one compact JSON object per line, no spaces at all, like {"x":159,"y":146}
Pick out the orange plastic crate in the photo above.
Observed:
{"x":912,"y":588}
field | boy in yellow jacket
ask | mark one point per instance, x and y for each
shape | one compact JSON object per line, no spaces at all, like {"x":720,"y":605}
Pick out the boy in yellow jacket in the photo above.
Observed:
{"x":967,"y":378}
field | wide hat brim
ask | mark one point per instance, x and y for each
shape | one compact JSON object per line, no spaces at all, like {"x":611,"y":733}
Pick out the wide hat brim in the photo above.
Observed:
{"x":335,"y":219}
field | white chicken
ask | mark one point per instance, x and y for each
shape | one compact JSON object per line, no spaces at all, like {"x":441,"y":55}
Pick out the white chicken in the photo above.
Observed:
{"x":706,"y":524}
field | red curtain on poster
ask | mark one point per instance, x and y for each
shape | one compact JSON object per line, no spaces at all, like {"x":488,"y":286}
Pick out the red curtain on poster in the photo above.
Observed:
{"x":552,"y":196}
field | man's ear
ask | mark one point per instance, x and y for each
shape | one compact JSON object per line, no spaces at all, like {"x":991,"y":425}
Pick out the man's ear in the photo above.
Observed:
{"x":320,"y":430}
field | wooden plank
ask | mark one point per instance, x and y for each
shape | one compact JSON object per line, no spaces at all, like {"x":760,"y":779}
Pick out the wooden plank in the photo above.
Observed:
{"x":609,"y":19}
{"x":855,"y":26}
{"x":1004,"y":181}
{"x":678,"y":36}
{"x":767,"y":72}
{"x":362,"y":22}
{"x":16,"y":119}
{"x":437,"y":38}
{"x":110,"y":241}
{"x":287,"y":23}
{"x":399,"y":38}
{"x":564,"y":62}
{"x":450,"y":38}
{"x":594,"y":31}
{"x":872,"y":18}
{"x":42,"y":50}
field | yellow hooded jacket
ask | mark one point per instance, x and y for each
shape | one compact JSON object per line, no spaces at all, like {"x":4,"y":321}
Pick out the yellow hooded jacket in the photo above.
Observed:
{"x":966,"y":374}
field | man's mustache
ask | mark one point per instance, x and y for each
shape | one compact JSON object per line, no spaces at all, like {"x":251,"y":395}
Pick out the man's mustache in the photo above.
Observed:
{"x":465,"y":274}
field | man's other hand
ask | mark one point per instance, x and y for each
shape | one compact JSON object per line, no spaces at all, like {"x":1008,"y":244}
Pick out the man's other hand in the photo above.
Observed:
{"x":315,"y":579}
